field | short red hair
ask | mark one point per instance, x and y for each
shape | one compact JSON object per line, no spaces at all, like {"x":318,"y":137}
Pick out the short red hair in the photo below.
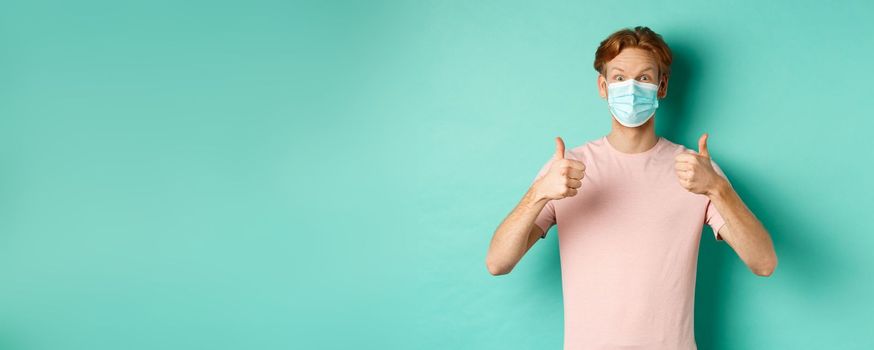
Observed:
{"x":639,"y":37}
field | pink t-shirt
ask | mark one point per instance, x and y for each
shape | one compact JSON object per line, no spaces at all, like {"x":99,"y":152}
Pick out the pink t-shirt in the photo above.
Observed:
{"x":629,"y":248}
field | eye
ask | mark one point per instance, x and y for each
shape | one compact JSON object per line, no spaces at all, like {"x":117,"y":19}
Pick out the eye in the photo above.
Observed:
{"x":618,"y":78}
{"x":644,"y":78}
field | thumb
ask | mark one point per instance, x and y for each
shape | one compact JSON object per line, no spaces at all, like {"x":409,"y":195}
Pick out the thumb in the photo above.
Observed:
{"x":559,"y":148}
{"x":702,"y":146}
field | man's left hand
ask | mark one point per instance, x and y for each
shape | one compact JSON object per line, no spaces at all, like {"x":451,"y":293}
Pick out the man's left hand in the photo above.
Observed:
{"x":694,"y":170}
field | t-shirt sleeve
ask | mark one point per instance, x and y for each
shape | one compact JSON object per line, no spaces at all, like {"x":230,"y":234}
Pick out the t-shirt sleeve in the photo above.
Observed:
{"x":546,"y":218}
{"x":712,"y":216}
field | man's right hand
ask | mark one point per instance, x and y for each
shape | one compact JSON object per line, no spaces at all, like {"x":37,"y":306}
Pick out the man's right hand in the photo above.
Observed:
{"x":563,"y":178}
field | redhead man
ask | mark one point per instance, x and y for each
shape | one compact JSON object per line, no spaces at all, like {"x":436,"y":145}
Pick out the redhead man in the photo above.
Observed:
{"x":630,"y":208}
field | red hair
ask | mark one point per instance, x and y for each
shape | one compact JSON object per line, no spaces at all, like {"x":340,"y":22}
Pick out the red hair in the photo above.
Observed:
{"x":639,"y":37}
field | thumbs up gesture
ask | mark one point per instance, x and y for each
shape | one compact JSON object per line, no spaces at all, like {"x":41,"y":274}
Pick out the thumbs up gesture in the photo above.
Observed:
{"x":564,"y":176}
{"x":694,"y":170}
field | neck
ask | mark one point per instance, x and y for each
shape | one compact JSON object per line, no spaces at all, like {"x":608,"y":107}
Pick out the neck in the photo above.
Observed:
{"x":633,"y":140}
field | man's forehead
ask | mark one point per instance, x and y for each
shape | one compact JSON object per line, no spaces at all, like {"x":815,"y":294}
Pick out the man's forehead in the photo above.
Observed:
{"x":633,"y":59}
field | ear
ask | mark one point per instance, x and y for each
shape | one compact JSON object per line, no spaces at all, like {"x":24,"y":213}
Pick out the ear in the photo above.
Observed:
{"x":663,"y":87}
{"x":602,"y":86}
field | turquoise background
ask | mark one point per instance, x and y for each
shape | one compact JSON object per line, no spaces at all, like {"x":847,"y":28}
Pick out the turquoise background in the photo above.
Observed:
{"x":328,"y":175}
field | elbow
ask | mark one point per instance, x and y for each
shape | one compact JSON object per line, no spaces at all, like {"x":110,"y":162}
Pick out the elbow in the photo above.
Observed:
{"x":766,"y":268}
{"x":497,"y":269}
{"x":763,"y":271}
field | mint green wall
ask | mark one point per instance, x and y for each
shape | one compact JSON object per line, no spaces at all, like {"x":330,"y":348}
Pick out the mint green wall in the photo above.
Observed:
{"x":327,"y":175}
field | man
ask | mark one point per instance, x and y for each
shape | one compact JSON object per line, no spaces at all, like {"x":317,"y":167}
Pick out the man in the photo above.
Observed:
{"x":630,"y":208}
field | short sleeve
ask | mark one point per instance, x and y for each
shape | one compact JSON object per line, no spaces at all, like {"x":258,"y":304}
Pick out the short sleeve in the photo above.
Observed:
{"x":712,"y":216}
{"x":546,"y":218}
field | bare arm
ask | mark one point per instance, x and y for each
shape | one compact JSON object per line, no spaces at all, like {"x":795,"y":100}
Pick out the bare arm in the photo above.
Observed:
{"x":517,"y":233}
{"x":743,"y":231}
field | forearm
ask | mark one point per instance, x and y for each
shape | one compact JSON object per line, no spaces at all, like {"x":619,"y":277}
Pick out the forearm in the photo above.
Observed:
{"x":745,"y":232}
{"x":510,"y":240}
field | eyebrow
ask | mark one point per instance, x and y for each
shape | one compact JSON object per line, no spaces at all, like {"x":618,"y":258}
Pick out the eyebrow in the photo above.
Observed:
{"x":621,"y":70}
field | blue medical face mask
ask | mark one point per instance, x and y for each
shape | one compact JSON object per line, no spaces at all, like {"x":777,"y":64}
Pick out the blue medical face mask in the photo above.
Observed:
{"x":632,"y":102}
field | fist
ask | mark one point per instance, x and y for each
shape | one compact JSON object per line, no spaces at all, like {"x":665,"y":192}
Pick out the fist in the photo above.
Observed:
{"x":694,"y":170}
{"x":564,"y":176}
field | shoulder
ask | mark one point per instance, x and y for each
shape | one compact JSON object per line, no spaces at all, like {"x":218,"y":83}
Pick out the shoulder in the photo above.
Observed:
{"x":672,"y":147}
{"x":586,"y":150}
